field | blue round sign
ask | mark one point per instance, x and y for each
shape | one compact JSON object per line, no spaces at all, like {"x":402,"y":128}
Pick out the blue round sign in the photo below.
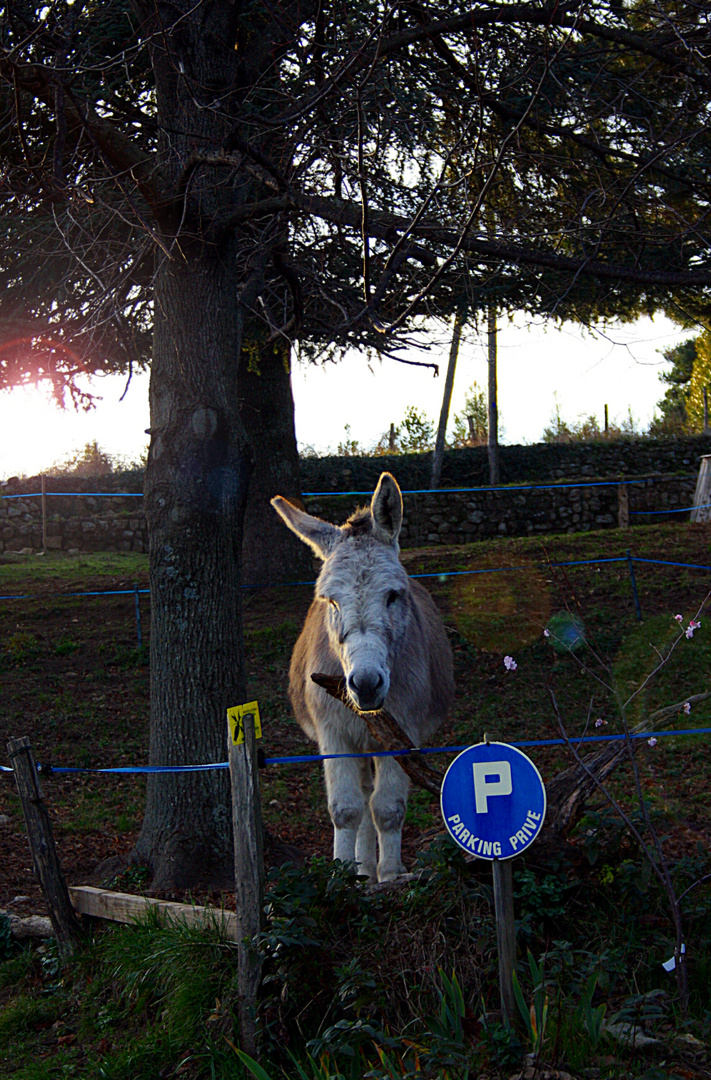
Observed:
{"x":493,"y":801}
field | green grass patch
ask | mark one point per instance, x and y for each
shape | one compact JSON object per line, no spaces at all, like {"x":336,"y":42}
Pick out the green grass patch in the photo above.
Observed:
{"x":57,"y":567}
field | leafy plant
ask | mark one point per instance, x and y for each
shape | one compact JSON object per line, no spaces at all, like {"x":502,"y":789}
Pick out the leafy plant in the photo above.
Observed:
{"x":592,"y":1016}
{"x":66,"y":646}
{"x":535,"y":1015}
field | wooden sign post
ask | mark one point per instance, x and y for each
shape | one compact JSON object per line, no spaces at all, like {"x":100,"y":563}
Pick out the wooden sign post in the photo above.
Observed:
{"x":44,"y":854}
{"x":502,"y":873}
{"x":249,"y":865}
{"x":493,"y":804}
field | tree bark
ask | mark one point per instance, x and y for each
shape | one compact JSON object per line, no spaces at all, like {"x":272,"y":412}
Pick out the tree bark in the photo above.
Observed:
{"x":270,"y":553}
{"x":438,"y":454}
{"x":196,"y":490}
{"x":493,"y":439}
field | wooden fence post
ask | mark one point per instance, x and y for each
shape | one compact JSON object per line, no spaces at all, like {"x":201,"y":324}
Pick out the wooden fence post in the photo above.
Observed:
{"x":44,"y":512}
{"x":702,"y":495}
{"x":249,"y":875}
{"x":44,"y":854}
{"x":623,"y":506}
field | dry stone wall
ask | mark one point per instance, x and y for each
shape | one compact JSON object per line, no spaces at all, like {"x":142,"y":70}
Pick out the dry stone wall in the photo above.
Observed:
{"x":451,"y":517}
{"x":660,"y":476}
{"x":93,"y":515}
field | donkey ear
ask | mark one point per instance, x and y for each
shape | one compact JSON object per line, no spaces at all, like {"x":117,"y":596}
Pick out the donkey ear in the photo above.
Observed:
{"x":319,"y":535}
{"x":386,"y":508}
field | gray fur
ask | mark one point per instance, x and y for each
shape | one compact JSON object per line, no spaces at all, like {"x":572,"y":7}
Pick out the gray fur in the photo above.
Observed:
{"x":369,"y":622}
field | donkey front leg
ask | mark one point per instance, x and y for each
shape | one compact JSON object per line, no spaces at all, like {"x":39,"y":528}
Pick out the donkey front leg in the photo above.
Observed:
{"x":366,"y":838}
{"x":388,"y":806}
{"x":346,"y":804}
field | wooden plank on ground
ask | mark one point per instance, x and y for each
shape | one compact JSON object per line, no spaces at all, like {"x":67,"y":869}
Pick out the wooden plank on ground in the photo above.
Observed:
{"x":127,"y":908}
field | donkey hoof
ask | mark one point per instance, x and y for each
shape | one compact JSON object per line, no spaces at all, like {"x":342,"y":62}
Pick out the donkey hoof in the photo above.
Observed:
{"x":390,"y":873}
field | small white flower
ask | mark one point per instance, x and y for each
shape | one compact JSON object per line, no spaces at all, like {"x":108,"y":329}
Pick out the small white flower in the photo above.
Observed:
{"x":687,"y":708}
{"x":600,"y":722}
{"x":652,"y":741}
{"x":546,"y":633}
{"x":509,"y":663}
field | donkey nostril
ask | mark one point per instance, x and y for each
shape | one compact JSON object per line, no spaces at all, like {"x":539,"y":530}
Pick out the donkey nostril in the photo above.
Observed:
{"x":366,"y":686}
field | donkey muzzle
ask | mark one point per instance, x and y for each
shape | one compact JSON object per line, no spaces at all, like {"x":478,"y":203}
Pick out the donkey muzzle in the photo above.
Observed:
{"x":368,"y":689}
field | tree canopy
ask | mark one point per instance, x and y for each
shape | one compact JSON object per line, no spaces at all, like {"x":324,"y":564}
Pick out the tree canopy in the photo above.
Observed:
{"x":376,"y":163}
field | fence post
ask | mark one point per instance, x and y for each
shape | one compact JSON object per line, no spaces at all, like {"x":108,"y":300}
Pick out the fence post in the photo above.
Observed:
{"x":505,"y":935}
{"x":44,"y":512}
{"x":702,"y":495}
{"x":633,"y":581}
{"x":139,"y":635}
{"x":44,"y":854}
{"x":249,"y":875}
{"x":623,"y":506}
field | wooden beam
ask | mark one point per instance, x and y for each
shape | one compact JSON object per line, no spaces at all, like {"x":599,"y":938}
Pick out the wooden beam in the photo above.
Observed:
{"x":127,"y":908}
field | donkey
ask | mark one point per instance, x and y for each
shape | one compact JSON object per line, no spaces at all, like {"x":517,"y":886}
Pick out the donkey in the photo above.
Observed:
{"x":371,"y":624}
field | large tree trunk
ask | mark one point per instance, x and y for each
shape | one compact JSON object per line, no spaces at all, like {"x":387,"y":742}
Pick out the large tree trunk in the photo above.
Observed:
{"x":270,"y":552}
{"x":196,"y":489}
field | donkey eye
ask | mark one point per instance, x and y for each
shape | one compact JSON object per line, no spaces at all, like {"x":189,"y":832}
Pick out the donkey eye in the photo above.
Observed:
{"x":334,"y":605}
{"x":392,"y":597}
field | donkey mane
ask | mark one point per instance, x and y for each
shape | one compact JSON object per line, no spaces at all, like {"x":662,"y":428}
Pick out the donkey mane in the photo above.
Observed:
{"x":360,"y":523}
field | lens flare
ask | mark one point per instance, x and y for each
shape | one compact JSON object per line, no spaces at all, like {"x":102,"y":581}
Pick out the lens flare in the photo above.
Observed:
{"x":566,"y":632}
{"x":500,"y":610}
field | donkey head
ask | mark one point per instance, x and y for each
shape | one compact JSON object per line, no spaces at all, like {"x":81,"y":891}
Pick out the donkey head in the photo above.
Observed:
{"x":363,"y":587}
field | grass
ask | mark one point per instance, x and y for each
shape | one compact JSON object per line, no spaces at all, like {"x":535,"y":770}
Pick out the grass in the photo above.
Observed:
{"x":58,"y":567}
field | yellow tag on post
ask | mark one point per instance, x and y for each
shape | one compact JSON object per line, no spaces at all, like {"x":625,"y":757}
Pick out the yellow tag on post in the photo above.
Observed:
{"x":235,"y":717}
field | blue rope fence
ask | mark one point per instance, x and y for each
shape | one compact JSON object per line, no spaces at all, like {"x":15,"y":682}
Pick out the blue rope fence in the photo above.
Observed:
{"x":682,"y":510}
{"x":78,"y":494}
{"x":440,"y":574}
{"x":412,"y":491}
{"x":302,"y":759}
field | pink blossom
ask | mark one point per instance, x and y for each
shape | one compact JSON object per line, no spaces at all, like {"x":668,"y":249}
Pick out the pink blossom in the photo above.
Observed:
{"x":687,"y":708}
{"x":600,"y":722}
{"x":509,"y":663}
{"x":679,"y":618}
{"x":546,"y":633}
{"x":652,"y":741}
{"x":693,"y":625}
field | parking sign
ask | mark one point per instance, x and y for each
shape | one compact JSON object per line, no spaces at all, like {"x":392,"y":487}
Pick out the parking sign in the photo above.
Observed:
{"x":493,"y":801}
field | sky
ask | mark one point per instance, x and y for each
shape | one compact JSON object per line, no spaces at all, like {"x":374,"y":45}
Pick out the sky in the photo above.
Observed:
{"x":537,"y":367}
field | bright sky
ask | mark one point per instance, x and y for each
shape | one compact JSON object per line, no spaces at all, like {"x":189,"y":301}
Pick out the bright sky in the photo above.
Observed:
{"x":619,"y":367}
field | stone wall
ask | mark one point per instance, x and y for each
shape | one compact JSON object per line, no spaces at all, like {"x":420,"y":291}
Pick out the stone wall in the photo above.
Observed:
{"x":543,"y":463}
{"x":451,"y":517}
{"x":115,"y":522}
{"x":77,"y":521}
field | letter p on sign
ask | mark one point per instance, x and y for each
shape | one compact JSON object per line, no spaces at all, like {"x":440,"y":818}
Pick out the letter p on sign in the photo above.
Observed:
{"x":490,"y":778}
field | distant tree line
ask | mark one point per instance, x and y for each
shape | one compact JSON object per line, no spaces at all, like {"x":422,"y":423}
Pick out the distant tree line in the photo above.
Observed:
{"x":688,"y":384}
